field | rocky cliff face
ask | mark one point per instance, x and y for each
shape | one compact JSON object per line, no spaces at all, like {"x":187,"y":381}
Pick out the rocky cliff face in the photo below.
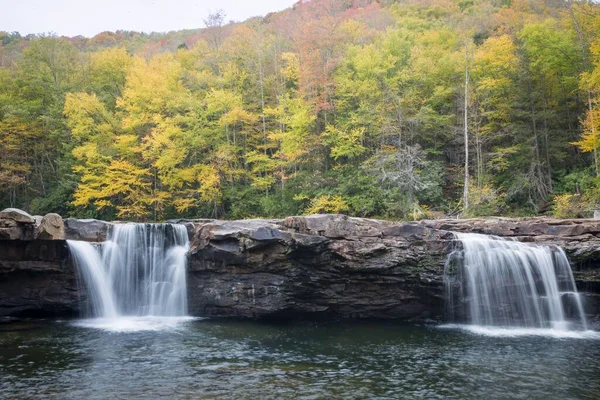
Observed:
{"x":333,"y":265}
{"x":35,"y":275}
{"x":317,"y":266}
{"x":320,"y":266}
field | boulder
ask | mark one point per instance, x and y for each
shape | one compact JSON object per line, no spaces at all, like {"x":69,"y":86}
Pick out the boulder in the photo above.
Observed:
{"x":90,"y":230}
{"x":16,"y":215}
{"x":336,"y":225}
{"x":51,"y":227}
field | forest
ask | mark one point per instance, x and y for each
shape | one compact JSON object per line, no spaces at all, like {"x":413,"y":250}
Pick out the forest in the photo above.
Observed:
{"x":403,"y":110}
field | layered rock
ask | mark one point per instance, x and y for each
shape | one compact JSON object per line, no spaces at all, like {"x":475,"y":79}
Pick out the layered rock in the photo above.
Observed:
{"x":37,"y":279}
{"x":36,"y":276}
{"x":314,"y":266}
{"x":325,"y":265}
{"x":353,"y":267}
{"x":88,"y":230}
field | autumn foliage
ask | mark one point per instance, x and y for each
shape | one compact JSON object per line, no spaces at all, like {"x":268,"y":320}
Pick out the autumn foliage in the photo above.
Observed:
{"x":330,"y":106}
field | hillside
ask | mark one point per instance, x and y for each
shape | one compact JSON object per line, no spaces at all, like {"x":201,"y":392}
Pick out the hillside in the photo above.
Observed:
{"x":341,"y":106}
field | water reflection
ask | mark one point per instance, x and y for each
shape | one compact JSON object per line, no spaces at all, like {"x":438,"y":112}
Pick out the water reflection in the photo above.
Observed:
{"x":303,"y":360}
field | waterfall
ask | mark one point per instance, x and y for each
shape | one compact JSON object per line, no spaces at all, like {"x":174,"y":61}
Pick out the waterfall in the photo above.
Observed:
{"x":493,"y":282}
{"x":139,"y":271}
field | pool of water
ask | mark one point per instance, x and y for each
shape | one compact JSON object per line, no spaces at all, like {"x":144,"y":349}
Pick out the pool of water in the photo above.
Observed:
{"x":192,"y":359}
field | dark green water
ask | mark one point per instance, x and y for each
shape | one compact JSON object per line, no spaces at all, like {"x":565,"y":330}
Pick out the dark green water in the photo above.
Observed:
{"x":208,"y":359}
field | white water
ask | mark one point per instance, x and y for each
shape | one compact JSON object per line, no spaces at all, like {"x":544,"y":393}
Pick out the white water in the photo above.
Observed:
{"x":135,"y":277}
{"x":134,"y":324}
{"x":505,"y":287}
{"x":517,"y":332}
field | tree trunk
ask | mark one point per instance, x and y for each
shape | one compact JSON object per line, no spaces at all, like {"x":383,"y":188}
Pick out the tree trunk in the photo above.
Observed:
{"x":546,"y":144}
{"x":466,"y":187}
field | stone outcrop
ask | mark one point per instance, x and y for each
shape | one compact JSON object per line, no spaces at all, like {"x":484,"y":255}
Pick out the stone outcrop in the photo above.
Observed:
{"x":51,"y":227}
{"x":16,"y":224}
{"x":323,"y":265}
{"x":333,"y":265}
{"x":36,"y":275}
{"x":16,"y":215}
{"x":318,"y":266}
{"x":89,"y":230}
{"x":37,"y":279}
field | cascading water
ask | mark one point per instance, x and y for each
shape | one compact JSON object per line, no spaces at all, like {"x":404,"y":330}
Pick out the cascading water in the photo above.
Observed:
{"x":139,"y":271}
{"x":492,"y":282}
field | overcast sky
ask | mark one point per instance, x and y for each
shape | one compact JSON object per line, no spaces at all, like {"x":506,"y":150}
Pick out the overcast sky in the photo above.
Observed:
{"x":89,"y":17}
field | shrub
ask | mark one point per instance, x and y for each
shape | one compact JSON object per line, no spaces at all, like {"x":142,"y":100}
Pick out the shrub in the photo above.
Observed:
{"x":569,"y":206}
{"x":327,"y":205}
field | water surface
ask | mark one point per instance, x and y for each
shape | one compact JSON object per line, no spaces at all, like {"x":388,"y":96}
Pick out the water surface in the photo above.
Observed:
{"x":247,"y":360}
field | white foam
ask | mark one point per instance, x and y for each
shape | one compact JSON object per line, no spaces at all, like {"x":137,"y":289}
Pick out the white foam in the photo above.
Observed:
{"x":135,"y":324}
{"x":518,"y":332}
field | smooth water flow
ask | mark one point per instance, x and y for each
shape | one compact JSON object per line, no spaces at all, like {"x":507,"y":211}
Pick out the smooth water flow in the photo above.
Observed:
{"x":139,"y":271}
{"x":492,"y":282}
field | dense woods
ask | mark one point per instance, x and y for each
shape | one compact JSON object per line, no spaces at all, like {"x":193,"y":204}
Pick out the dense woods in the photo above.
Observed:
{"x":351,"y":106}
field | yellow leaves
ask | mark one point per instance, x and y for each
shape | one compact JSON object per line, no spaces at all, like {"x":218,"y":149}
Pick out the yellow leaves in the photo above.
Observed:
{"x":153,"y":88}
{"x":238,"y":116}
{"x":260,"y":161}
{"x":496,"y":57}
{"x":122,"y":180}
{"x":568,"y":206}
{"x":87,"y":117}
{"x":263,"y":183}
{"x":494,"y":69}
{"x":162,"y":147}
{"x":352,"y":30}
{"x":108,"y":69}
{"x":291,"y":66}
{"x":90,"y":157}
{"x":344,"y":143}
{"x":500,"y":158}
{"x":14,"y":168}
{"x":262,"y":167}
{"x":221,"y":101}
{"x":109,"y":60}
{"x":590,"y":137}
{"x":182,"y":204}
{"x":591,"y":80}
{"x":277,"y":112}
{"x":295,"y":140}
{"x":210,"y":183}
{"x":327,"y":205}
